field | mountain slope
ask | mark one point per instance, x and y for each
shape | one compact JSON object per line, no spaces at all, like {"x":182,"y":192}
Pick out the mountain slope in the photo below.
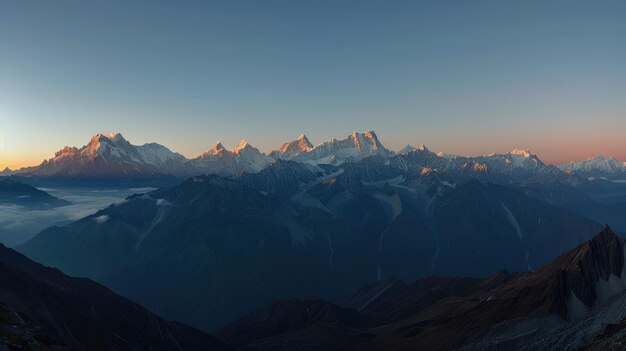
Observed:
{"x":599,"y":167}
{"x":230,"y":248}
{"x":488,"y":227}
{"x":565,"y":305}
{"x":293,"y":324}
{"x":517,"y":166}
{"x":293,"y":148}
{"x":282,"y":179}
{"x":13,"y":192}
{"x":54,"y":311}
{"x":216,"y":248}
{"x":251,"y":157}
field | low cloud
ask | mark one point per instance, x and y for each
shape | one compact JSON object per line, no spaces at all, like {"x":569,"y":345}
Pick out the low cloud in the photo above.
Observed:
{"x":101,"y":219}
{"x":19,"y":224}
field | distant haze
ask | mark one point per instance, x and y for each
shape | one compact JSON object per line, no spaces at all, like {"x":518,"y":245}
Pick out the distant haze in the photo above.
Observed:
{"x":462,"y":77}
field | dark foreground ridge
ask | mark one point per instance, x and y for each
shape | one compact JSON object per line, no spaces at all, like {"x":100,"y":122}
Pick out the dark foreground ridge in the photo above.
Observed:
{"x":43,"y":309}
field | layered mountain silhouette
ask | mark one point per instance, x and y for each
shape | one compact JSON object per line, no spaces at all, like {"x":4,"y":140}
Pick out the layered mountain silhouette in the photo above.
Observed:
{"x":110,"y":155}
{"x":43,"y":309}
{"x":110,"y":159}
{"x":574,"y":302}
{"x":212,"y":249}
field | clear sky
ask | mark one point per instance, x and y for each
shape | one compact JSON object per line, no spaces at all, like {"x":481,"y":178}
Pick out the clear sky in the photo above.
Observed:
{"x":465,"y":77}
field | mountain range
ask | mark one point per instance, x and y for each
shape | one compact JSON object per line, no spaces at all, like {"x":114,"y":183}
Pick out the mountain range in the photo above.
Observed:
{"x":110,"y":155}
{"x":230,"y":245}
{"x":245,"y":229}
{"x":598,"y":167}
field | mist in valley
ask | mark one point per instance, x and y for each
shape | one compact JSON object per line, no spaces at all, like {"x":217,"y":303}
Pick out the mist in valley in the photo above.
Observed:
{"x":18,"y":224}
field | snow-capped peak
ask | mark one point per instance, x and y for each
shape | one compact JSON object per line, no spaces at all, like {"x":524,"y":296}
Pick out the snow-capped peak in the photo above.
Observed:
{"x":108,"y":154}
{"x":115,"y":136}
{"x":369,"y":135}
{"x":365,"y":141}
{"x":242,"y":145}
{"x":445,"y":155}
{"x":217,"y":148}
{"x":354,"y":147}
{"x":251,"y":157}
{"x":423,"y":148}
{"x":293,"y":148}
{"x":597,"y":167}
{"x":66,"y":152}
{"x":95,"y":146}
{"x":156,"y":154}
{"x":524,"y":152}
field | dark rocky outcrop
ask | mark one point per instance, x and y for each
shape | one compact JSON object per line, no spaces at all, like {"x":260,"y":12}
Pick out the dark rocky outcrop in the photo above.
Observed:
{"x":449,"y":313}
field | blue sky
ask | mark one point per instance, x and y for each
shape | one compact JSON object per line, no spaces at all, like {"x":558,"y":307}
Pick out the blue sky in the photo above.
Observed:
{"x":463,"y":77}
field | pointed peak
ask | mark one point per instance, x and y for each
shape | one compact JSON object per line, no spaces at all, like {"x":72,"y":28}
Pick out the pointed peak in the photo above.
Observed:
{"x":303,"y":139}
{"x":304,"y":142}
{"x":358,"y":138}
{"x":114,"y":137}
{"x":242,"y":144}
{"x":370,"y":134}
{"x":602,"y":243}
{"x":606,"y":232}
{"x":218,"y":147}
{"x":97,"y":137}
{"x":408,"y":148}
{"x":217,"y":150}
{"x":292,"y":148}
{"x":423,"y":148}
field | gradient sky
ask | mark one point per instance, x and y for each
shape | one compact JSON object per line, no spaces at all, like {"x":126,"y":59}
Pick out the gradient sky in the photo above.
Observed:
{"x":465,"y":77}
